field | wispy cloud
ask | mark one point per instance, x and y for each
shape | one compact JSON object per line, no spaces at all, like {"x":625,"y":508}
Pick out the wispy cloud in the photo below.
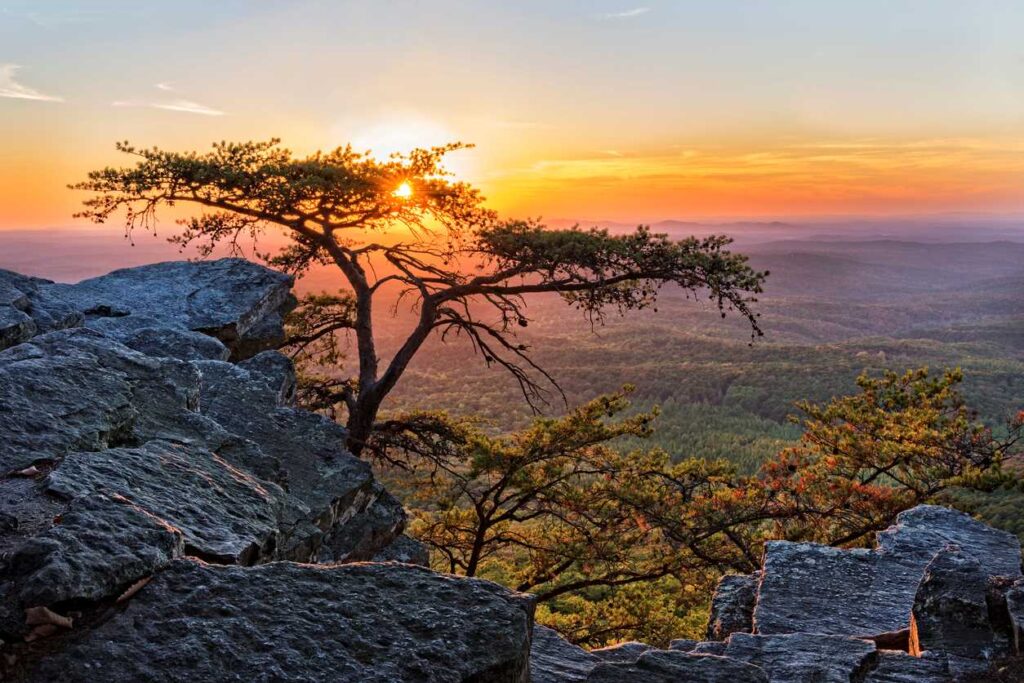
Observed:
{"x":179,"y":105}
{"x":9,"y":87}
{"x":627,"y":14}
{"x":189,"y":107}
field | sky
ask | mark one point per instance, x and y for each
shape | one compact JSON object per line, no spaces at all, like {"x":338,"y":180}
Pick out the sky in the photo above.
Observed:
{"x":614,"y":110}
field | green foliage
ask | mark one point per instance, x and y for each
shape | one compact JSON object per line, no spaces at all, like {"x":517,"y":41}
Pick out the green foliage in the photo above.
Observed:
{"x":900,"y":441}
{"x":545,"y":493}
{"x":713,"y":388}
{"x":657,"y":611}
{"x":620,"y":543}
{"x":716,"y":432}
{"x":626,"y":270}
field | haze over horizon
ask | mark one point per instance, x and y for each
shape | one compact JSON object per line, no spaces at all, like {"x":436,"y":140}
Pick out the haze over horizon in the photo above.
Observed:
{"x":610,"y":110}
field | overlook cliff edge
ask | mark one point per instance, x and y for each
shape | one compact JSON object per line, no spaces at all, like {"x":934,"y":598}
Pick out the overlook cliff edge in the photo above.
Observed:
{"x":168,"y":514}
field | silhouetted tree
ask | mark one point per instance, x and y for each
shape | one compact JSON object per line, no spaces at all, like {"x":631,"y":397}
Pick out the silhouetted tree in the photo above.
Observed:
{"x":465,"y":271}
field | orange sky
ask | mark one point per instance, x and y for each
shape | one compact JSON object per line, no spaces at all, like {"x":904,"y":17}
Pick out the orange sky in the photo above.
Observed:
{"x":583,"y":110}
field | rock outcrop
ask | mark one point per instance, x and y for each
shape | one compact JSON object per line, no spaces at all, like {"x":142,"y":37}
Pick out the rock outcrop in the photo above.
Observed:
{"x":940,"y":599}
{"x":231,"y":300}
{"x":28,"y":308}
{"x":283,"y":621}
{"x":798,"y":657}
{"x":166,"y":513}
{"x":951,"y":612}
{"x":810,"y":588}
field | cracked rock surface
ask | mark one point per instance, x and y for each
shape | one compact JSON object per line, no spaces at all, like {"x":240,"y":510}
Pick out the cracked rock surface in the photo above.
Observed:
{"x":130,"y":441}
{"x":225,"y":299}
{"x":670,"y":666}
{"x":555,"y":660}
{"x":372,"y":623}
{"x":812,"y":588}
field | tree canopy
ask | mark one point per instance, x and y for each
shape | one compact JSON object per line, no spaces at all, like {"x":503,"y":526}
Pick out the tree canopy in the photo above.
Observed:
{"x":406,"y":226}
{"x":599,"y":533}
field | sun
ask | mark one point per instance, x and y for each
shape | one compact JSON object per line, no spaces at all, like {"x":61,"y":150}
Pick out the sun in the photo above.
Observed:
{"x":403,"y":191}
{"x":400,"y":133}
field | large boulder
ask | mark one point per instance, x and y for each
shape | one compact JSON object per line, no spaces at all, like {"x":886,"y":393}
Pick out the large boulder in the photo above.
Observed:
{"x":924,"y":530}
{"x":59,"y":395}
{"x":553,"y":659}
{"x":148,"y":338}
{"x":130,"y":441}
{"x":228,"y":299}
{"x":102,"y":545}
{"x":812,"y":588}
{"x":205,"y":447}
{"x":290,"y":622}
{"x":950,"y":612}
{"x":227,"y":515}
{"x":79,"y":390}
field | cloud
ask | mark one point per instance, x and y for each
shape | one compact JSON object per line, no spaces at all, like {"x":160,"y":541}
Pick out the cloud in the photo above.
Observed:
{"x":627,"y":14}
{"x":14,"y":90}
{"x":179,"y":105}
{"x":189,"y":107}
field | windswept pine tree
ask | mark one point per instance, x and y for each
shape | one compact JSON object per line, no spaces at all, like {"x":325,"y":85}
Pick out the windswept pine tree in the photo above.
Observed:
{"x":404,"y":224}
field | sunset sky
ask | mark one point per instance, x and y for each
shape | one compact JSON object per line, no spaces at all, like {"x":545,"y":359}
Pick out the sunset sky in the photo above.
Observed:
{"x":589,"y":110}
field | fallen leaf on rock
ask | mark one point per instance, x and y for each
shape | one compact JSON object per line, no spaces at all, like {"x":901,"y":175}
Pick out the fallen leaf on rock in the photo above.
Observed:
{"x":133,"y":589}
{"x":42,"y":616}
{"x":41,"y":631}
